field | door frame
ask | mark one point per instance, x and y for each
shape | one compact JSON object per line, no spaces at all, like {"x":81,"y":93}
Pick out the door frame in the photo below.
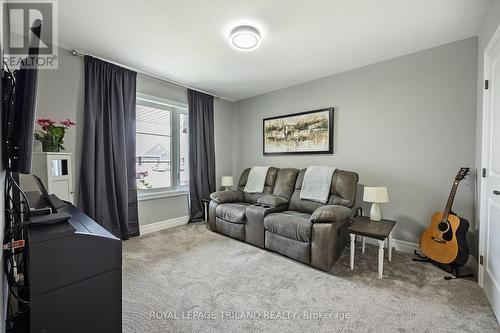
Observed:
{"x":485,"y":115}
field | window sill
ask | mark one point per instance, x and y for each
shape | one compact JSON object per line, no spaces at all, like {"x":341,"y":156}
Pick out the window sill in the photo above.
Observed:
{"x":142,"y":196}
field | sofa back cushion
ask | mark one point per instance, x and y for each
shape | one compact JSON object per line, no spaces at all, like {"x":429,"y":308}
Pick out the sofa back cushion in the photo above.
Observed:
{"x":344,"y":186}
{"x":285,"y":182}
{"x":342,"y":192}
{"x":252,"y":198}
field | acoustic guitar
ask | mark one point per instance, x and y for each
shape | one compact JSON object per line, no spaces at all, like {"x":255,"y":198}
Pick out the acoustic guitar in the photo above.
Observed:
{"x":444,"y":241}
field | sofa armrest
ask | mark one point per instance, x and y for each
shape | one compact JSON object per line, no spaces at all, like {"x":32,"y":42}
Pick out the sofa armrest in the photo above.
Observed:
{"x":328,"y":242}
{"x":330,"y":213}
{"x":272,"y":200}
{"x":226,"y":196}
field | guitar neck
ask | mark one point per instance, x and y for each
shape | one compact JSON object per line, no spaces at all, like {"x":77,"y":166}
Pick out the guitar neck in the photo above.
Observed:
{"x":451,"y":198}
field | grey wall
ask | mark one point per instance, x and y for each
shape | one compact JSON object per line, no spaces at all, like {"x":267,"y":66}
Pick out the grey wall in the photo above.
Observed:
{"x":489,"y":28}
{"x":61,"y":95}
{"x":407,"y":123}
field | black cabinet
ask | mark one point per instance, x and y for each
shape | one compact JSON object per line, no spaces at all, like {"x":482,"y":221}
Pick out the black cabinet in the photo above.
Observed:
{"x":74,"y":276}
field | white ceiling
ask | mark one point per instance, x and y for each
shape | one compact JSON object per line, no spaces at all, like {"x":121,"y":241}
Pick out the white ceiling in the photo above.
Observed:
{"x":186,"y":40}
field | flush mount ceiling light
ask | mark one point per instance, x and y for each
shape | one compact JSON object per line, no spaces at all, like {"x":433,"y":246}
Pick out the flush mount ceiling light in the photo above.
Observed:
{"x":245,"y":38}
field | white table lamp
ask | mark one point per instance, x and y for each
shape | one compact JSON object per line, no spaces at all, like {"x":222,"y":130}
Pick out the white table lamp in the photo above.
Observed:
{"x":227,"y":182}
{"x":375,"y":195}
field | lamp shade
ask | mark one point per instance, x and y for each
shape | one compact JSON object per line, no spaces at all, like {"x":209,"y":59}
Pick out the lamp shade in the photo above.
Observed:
{"x":375,"y":194}
{"x":227,"y":181}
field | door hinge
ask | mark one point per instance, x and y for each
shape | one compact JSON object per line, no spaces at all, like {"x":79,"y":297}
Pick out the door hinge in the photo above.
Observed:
{"x":480,"y":260}
{"x":484,"y":172}
{"x":486,"y":84}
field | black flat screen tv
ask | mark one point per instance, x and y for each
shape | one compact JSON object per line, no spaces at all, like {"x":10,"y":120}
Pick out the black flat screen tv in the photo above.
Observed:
{"x":19,"y":117}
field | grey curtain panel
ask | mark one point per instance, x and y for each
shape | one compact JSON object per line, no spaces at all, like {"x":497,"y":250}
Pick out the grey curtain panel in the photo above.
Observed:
{"x":201,"y":151}
{"x":107,"y":185}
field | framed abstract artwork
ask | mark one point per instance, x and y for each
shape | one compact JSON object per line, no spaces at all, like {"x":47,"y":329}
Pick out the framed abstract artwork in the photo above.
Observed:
{"x":309,"y":132}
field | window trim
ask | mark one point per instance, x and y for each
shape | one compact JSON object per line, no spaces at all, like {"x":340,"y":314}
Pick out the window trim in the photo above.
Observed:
{"x":161,"y":101}
{"x":178,"y":113}
{"x":153,"y":195}
{"x":178,"y":108}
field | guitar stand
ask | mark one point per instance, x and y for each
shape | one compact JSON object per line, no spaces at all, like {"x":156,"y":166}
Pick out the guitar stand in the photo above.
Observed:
{"x":420,"y":258}
{"x":454,"y":270}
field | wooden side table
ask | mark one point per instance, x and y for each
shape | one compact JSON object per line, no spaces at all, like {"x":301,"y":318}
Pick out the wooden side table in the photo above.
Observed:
{"x":205,"y":209}
{"x":379,"y":230}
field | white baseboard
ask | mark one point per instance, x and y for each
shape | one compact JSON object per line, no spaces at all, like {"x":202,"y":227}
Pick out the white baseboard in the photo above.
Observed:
{"x":157,"y":226}
{"x":409,"y":247}
{"x":399,"y":245}
{"x":404,"y":246}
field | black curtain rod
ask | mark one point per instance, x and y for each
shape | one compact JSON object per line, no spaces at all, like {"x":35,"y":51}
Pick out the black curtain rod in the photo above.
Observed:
{"x":81,"y":54}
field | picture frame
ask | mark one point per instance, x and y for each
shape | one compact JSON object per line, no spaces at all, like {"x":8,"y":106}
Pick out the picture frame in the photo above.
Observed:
{"x":309,"y":132}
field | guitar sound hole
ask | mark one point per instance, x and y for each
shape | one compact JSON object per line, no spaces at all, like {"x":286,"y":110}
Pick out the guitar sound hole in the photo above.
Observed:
{"x":442,"y":226}
{"x":448,"y":235}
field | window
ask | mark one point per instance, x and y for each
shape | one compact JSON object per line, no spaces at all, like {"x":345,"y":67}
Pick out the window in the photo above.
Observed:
{"x":161,"y":145}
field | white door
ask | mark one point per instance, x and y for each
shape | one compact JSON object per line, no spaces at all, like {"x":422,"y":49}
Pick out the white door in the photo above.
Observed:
{"x":490,"y":197}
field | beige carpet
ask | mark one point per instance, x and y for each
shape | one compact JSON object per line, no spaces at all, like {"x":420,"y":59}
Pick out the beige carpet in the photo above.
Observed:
{"x":188,"y":279}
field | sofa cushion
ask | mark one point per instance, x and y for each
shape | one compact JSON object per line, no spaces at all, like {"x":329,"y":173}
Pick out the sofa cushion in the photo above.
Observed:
{"x":300,"y":251}
{"x":272,"y":200}
{"x":298,"y":204}
{"x":252,"y":198}
{"x":344,"y":186}
{"x":285,"y":182}
{"x":232,"y":212}
{"x":234,"y":230}
{"x":342,"y":192}
{"x":290,"y":224}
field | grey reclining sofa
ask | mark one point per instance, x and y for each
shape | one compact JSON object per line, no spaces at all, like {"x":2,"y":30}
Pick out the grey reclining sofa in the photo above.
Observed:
{"x":278,"y":220}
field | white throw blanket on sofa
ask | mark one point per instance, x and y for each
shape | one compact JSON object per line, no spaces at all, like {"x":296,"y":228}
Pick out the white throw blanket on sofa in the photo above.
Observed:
{"x":256,"y":179}
{"x":316,"y":184}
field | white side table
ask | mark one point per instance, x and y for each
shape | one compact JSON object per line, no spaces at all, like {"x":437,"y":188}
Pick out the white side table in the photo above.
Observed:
{"x":379,"y":230}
